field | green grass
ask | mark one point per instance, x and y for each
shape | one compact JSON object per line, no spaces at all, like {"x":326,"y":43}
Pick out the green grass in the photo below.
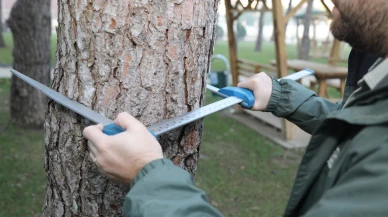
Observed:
{"x":22,"y":176}
{"x":246,"y":51}
{"x":243,"y":174}
{"x":6,"y":53}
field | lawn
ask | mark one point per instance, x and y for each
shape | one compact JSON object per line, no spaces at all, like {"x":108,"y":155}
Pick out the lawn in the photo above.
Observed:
{"x":243,"y":174}
{"x":6,"y":53}
{"x":22,"y":176}
{"x":245,"y":51}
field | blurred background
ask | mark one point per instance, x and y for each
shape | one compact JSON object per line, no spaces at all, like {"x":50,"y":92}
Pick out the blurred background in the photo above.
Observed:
{"x":244,"y":172}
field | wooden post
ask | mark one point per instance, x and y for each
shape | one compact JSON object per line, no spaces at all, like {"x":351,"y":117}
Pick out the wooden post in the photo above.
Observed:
{"x":232,"y":42}
{"x":280,"y":44}
{"x":232,"y":46}
{"x":315,"y":43}
{"x":297,"y":36}
{"x":288,"y":129}
{"x":334,"y":54}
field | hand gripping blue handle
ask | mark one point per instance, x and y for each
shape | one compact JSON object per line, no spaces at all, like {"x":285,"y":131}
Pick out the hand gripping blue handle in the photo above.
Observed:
{"x":112,"y":129}
{"x":245,"y":94}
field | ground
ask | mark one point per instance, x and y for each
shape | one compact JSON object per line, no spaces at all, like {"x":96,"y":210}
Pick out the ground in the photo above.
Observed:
{"x":22,"y":177}
{"x":243,"y":174}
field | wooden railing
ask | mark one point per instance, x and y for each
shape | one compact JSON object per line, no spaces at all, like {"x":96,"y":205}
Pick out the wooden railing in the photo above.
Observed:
{"x":248,"y":68}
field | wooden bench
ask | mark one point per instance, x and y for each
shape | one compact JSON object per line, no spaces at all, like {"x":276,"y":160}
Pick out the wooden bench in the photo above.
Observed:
{"x":248,"y":68}
{"x":323,"y":72}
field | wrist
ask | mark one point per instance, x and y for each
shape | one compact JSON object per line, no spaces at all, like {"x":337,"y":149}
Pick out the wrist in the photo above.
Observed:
{"x":275,"y":96}
{"x":140,"y":163}
{"x":151,"y":166}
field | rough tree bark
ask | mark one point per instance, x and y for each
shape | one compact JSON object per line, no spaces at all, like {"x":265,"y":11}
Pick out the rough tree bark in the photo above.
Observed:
{"x":149,"y":58}
{"x":2,"y":42}
{"x":30,"y":24}
{"x":305,"y":44}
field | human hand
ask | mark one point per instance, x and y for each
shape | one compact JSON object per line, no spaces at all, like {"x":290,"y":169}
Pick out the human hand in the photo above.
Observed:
{"x":261,"y":85}
{"x":122,"y":156}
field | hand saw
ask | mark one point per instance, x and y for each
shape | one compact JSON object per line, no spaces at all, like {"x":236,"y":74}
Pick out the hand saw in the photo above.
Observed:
{"x":231,"y":95}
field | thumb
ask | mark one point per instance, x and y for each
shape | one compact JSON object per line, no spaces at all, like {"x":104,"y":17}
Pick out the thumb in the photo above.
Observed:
{"x":127,"y":121}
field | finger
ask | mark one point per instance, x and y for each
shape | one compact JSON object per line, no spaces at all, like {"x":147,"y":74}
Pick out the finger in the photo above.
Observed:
{"x":92,"y":148}
{"x":92,"y":157}
{"x":100,"y":126}
{"x":249,"y":84}
{"x":127,"y":121}
{"x":94,"y":134}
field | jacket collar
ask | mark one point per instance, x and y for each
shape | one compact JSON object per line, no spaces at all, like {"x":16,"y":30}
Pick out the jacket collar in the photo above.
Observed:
{"x":373,"y":80}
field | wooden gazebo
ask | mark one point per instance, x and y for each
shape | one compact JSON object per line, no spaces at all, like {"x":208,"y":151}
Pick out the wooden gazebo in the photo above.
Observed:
{"x":239,"y":67}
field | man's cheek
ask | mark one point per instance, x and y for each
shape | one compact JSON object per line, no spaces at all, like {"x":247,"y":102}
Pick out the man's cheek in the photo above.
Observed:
{"x":336,"y":13}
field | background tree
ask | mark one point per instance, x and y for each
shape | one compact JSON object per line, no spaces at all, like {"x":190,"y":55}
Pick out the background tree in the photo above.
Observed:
{"x":259,"y":39}
{"x":305,"y":44}
{"x":30,"y":24}
{"x":289,"y":8}
{"x":149,"y":58}
{"x":241,"y":32}
{"x":220,"y":32}
{"x":2,"y":42}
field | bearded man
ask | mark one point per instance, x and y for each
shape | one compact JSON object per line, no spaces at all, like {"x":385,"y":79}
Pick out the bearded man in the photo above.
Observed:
{"x":344,"y":172}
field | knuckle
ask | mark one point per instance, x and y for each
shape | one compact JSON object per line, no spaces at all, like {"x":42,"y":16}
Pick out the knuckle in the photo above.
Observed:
{"x":124,"y":114}
{"x":257,"y":79}
{"x":120,"y":115}
{"x":86,"y":131}
{"x":137,"y":127}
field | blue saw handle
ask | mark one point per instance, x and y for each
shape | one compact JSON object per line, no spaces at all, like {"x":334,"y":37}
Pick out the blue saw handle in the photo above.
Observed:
{"x":112,"y":129}
{"x":245,"y":94}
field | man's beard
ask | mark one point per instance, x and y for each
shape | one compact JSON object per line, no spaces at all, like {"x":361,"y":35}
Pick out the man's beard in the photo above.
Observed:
{"x":363,"y":24}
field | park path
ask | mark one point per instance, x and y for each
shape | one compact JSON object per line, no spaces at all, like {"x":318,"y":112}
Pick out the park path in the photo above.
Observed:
{"x":4,"y":72}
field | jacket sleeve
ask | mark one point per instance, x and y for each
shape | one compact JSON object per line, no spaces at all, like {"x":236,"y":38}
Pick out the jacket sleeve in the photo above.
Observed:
{"x":363,"y":188}
{"x":299,"y":105}
{"x":162,"y":189}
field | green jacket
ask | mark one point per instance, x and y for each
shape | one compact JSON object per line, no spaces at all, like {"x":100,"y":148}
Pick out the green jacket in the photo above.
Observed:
{"x":343,"y":173}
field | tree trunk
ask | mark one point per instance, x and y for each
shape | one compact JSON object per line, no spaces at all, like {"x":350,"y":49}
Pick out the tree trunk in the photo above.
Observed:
{"x":2,"y":42}
{"x":259,"y":40}
{"x":305,"y":44}
{"x":288,"y":11}
{"x":30,"y":24}
{"x":149,"y":58}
